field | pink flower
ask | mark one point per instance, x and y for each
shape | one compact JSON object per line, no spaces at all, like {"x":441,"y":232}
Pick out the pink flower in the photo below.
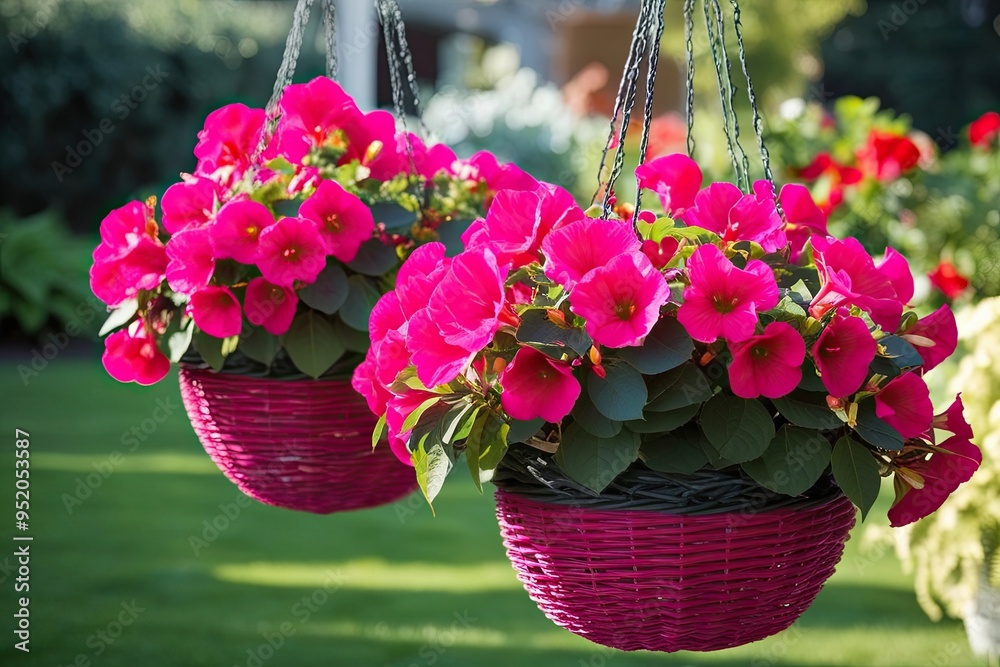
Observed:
{"x":289,"y":250}
{"x":769,"y":364}
{"x":905,"y":405}
{"x":387,"y":329}
{"x":843,"y":352}
{"x":895,"y":267}
{"x":365,"y":382}
{"x":378,"y":128}
{"x":399,"y":407}
{"x":723,"y":300}
{"x":133,"y":356}
{"x":270,"y":306}
{"x":803,"y":218}
{"x":419,"y":275}
{"x":237,"y":230}
{"x":310,"y":114}
{"x":437,"y":362}
{"x":929,"y":482}
{"x":621,"y":301}
{"x":848,"y":276}
{"x":190,"y":203}
{"x":434,"y":160}
{"x":536,"y":386}
{"x":953,"y":420}
{"x":130,"y":256}
{"x":228,"y":141}
{"x":934,"y":336}
{"x":192,"y":261}
{"x":582,"y":246}
{"x":721,"y":208}
{"x":674,"y":178}
{"x":661,"y":253}
{"x":483,"y":166}
{"x":343,"y":220}
{"x":217,"y":312}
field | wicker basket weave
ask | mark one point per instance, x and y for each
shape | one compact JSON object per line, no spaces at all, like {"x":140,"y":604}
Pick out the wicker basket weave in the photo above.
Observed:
{"x":299,"y":444}
{"x":698,"y":580}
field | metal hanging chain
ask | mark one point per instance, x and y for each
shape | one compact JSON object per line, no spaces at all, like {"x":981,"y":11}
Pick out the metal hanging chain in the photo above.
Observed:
{"x":724,"y":84}
{"x":733,"y":88}
{"x":758,"y":124}
{"x":659,"y":9}
{"x":330,"y":36}
{"x":286,"y":71}
{"x":631,"y":63}
{"x":689,"y":41}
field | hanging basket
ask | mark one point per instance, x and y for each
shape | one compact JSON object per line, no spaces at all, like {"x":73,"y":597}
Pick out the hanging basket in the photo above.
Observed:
{"x":299,"y":444}
{"x":668,"y":562}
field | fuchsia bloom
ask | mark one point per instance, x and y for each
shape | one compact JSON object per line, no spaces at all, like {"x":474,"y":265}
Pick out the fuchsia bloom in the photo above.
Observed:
{"x":535,"y":386}
{"x":387,"y":329}
{"x":936,"y":479}
{"x":674,"y":178}
{"x":934,"y":336}
{"x":217,"y":312}
{"x":661,"y":253}
{"x":905,"y":405}
{"x":343,"y":220}
{"x":769,"y":364}
{"x":461,"y":316}
{"x":228,"y":141}
{"x":953,"y":419}
{"x":803,"y":218}
{"x":985,"y":130}
{"x":364,"y":380}
{"x":722,"y":300}
{"x":895,"y":267}
{"x":190,"y":203}
{"x":130,"y":256}
{"x":843,"y":352}
{"x":310,"y":114}
{"x":484,"y":165}
{"x":131,"y":355}
{"x":848,"y":276}
{"x":192,"y":261}
{"x":723,"y":209}
{"x":289,"y":250}
{"x":621,"y":301}
{"x":418,"y":276}
{"x":579,"y":247}
{"x":237,"y":230}
{"x":270,"y":306}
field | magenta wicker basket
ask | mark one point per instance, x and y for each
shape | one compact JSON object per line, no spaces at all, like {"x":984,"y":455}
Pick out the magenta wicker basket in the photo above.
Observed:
{"x":299,"y":444}
{"x":668,"y":581}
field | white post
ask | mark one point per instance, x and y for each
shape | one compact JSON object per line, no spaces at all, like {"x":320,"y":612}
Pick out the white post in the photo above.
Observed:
{"x":358,"y":32}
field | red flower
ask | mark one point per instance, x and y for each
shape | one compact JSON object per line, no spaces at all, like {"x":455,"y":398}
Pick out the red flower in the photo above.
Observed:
{"x":905,"y":405}
{"x":843,"y":352}
{"x":934,"y":336}
{"x":947,"y":279}
{"x":887,"y":156}
{"x":985,"y":130}
{"x":922,"y":484}
{"x":835,"y":174}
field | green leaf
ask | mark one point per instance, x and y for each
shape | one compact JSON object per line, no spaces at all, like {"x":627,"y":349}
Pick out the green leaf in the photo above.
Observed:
{"x":592,"y":461}
{"x":739,"y":429}
{"x":329,"y":292}
{"x":393,"y":216}
{"x":378,"y":431}
{"x":312,"y":344}
{"x":411,"y":419}
{"x":807,"y":409}
{"x":811,"y":380}
{"x":587,"y":416}
{"x":374,"y":258}
{"x":538,"y":331}
{"x":179,"y":342}
{"x":621,"y":394}
{"x":120,"y":316}
{"x":455,"y":421}
{"x":874,"y":430}
{"x":793,"y":461}
{"x":485,"y":446}
{"x":259,"y":345}
{"x":663,"y":422}
{"x":678,"y":388}
{"x":678,"y":452}
{"x":522,"y":431}
{"x":667,"y":346}
{"x":450,"y":234}
{"x":361,"y":298}
{"x":353,"y":340}
{"x":210,"y":349}
{"x":856,"y":471}
{"x":432,"y":467}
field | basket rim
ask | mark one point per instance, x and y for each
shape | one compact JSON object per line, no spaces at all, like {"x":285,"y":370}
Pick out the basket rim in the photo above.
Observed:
{"x":531,"y":474}
{"x":281,"y":367}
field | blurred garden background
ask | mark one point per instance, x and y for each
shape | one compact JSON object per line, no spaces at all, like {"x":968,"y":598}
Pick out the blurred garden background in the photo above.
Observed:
{"x":102,"y":100}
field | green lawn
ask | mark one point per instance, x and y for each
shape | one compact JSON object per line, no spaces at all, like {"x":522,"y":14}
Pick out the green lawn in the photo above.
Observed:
{"x":384,"y":587}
